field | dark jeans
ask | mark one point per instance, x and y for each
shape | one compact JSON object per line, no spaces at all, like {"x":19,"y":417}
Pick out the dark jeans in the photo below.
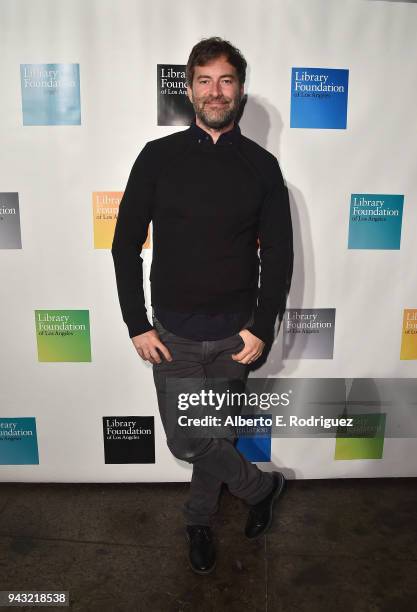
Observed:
{"x":214,"y":460}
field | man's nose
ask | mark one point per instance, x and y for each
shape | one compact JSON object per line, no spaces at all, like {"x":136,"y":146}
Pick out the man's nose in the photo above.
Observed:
{"x":216,"y":89}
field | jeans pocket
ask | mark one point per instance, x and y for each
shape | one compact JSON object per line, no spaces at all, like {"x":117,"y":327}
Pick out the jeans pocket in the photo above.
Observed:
{"x":239,"y":339}
{"x":159,"y":327}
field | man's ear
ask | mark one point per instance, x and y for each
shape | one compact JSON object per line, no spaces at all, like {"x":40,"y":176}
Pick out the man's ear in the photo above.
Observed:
{"x":190,"y":93}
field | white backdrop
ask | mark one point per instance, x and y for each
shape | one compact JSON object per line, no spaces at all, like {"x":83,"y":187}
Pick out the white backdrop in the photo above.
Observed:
{"x":55,"y":169}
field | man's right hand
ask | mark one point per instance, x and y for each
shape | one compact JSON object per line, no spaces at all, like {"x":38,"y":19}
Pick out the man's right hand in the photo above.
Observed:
{"x":146,"y":345}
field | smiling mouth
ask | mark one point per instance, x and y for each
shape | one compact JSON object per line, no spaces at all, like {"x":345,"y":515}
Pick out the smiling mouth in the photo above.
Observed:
{"x":217,"y":103}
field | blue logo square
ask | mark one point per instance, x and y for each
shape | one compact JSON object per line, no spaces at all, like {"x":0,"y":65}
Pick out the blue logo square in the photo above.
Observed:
{"x":375,"y":221}
{"x":257,"y":448}
{"x":50,"y":94}
{"x":319,"y":98}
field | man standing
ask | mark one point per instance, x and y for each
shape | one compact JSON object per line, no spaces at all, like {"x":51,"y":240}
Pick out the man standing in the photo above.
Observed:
{"x":213,"y":196}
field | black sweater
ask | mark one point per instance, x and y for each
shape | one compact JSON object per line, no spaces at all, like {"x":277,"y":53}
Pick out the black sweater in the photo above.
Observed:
{"x":196,"y":325}
{"x":209,"y":204}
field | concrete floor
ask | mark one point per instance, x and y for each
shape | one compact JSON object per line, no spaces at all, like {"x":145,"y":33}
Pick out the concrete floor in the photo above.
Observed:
{"x":336,"y":545}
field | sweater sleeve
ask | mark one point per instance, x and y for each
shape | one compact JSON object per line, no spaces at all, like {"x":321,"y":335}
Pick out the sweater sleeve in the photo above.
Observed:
{"x":276,"y":258}
{"x":135,"y":214}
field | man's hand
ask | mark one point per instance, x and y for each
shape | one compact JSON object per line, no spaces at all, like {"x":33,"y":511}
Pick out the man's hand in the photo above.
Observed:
{"x":252,"y":350}
{"x":147,"y":344}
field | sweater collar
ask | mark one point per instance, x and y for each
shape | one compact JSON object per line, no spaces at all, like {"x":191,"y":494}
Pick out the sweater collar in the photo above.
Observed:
{"x":201,"y":136}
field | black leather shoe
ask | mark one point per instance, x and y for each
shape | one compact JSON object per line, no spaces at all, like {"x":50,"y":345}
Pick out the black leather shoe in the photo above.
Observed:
{"x":260,"y":514}
{"x":202,"y":554}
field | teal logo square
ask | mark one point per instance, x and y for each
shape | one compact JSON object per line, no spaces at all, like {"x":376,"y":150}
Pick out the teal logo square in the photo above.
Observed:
{"x":375,"y":221}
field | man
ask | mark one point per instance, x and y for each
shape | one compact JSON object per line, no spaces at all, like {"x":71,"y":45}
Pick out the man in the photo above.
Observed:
{"x":211,"y":195}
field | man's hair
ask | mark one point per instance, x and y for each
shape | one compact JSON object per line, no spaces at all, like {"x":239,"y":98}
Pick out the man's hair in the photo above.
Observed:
{"x":211,"y":48}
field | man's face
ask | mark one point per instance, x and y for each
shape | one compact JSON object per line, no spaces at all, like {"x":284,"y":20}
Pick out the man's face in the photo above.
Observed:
{"x":215,"y":93}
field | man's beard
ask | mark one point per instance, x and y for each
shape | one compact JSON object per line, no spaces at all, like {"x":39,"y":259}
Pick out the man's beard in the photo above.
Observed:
{"x":219,"y":117}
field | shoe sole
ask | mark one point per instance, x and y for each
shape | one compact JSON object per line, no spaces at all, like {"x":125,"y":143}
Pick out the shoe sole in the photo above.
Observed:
{"x":277,"y":493}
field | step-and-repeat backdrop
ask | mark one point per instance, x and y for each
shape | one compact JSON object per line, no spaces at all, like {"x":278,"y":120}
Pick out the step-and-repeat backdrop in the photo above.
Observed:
{"x":331,"y":91}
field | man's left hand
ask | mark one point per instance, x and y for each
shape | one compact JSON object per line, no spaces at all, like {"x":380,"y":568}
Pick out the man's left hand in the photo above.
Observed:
{"x":252,"y":350}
